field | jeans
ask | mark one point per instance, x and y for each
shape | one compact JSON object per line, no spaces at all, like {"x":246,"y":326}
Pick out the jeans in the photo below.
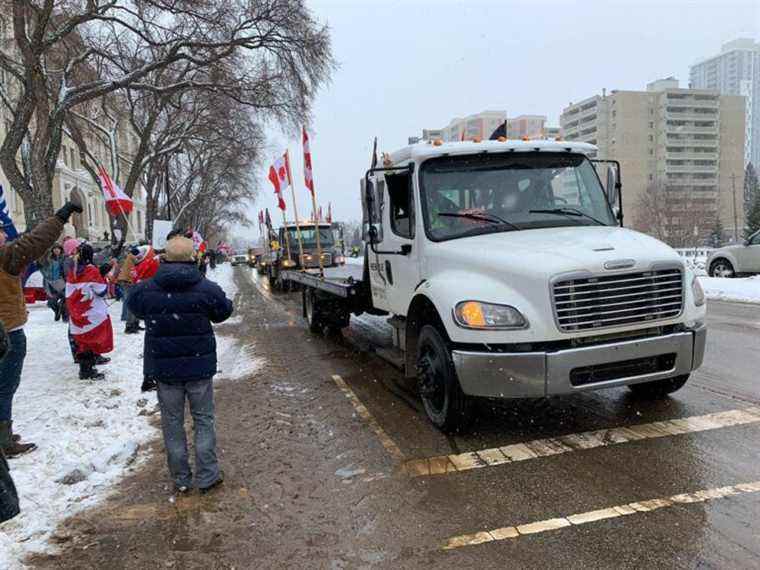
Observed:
{"x":10,"y":372}
{"x":171,"y":399}
{"x":126,"y":314}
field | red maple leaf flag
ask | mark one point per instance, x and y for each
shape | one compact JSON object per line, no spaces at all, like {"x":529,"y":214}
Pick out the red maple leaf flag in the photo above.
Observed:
{"x":89,"y":322}
{"x":117,"y":202}
{"x":307,"y":172}
{"x":278,"y":176}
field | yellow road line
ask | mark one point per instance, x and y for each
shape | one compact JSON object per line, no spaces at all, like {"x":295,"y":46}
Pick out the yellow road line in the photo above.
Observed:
{"x":574,"y":442}
{"x":389,"y":445}
{"x":512,"y":532}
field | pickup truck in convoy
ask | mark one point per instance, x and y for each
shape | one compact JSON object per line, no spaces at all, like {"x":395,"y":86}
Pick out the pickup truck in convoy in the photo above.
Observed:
{"x":506,"y":272}
{"x":280,"y":259}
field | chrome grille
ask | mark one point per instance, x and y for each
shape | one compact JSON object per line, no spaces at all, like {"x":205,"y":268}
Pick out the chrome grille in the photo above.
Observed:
{"x":602,"y":302}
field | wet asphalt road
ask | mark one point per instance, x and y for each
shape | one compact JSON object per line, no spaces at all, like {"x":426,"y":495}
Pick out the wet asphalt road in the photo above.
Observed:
{"x":721,"y":533}
{"x":317,"y":470}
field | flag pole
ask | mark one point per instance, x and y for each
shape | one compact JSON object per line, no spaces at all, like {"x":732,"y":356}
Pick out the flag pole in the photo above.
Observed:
{"x":313,"y":205}
{"x":302,"y":262}
{"x":287,"y":237}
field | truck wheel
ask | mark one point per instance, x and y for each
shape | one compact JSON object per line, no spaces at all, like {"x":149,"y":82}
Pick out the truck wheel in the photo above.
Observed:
{"x":722,"y":268}
{"x":310,"y":312}
{"x":659,"y":388}
{"x":445,"y":403}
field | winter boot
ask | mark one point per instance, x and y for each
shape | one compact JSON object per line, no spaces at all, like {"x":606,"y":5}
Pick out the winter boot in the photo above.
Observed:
{"x":87,"y":371}
{"x":12,"y":448}
{"x":14,"y":436}
{"x":132,"y":328}
{"x":100,"y":359}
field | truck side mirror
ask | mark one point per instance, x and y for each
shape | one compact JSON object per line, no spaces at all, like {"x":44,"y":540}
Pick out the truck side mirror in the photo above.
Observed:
{"x":406,"y":249}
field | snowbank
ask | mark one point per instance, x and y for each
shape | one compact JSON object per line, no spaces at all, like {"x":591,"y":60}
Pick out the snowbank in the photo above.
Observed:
{"x":745,"y":290}
{"x":89,"y":434}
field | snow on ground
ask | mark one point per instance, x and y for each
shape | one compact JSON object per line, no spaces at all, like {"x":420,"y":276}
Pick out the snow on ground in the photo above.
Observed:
{"x":744,"y":290}
{"x":89,"y":433}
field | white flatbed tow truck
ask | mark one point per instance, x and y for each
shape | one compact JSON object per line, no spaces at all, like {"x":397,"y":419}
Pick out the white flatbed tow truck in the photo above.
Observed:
{"x":506,"y":272}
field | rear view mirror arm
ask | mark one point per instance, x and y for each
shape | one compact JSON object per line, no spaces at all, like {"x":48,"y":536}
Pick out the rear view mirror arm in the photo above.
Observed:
{"x":371,"y":207}
{"x":618,"y":184}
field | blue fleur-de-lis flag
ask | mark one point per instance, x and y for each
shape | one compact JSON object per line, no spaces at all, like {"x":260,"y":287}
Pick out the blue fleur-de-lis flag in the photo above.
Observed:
{"x":5,"y":219}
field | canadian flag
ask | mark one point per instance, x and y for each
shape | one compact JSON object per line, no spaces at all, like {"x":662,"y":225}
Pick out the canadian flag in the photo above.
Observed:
{"x":89,"y":323}
{"x":278,"y":176}
{"x":307,"y":173}
{"x":117,"y":202}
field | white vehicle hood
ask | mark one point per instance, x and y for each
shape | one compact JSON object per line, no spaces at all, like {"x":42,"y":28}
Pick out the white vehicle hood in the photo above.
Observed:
{"x":551,"y":251}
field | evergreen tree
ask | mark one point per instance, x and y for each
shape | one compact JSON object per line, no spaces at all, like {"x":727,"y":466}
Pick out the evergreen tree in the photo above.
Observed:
{"x":751,"y":188}
{"x":716,"y":235}
{"x":752,"y":222}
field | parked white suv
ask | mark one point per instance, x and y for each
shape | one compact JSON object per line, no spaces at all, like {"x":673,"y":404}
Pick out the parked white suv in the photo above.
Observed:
{"x":735,"y":260}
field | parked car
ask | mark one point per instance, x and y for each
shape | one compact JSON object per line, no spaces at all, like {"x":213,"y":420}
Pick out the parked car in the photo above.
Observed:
{"x":736,"y":260}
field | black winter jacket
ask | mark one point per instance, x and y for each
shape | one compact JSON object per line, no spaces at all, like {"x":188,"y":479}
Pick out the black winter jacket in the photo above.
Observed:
{"x":178,"y":306}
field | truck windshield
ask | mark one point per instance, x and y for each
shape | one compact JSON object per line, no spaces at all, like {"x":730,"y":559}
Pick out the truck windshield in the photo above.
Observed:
{"x":309,"y":237}
{"x":470,"y":195}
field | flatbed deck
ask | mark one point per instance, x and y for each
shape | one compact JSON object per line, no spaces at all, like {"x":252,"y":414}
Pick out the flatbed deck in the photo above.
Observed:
{"x":344,"y":281}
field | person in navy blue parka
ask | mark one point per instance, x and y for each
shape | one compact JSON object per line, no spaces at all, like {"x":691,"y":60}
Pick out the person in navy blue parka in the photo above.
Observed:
{"x":178,"y":306}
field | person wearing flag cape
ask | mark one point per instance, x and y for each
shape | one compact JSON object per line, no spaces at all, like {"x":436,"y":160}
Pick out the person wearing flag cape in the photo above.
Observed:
{"x":90,"y":327}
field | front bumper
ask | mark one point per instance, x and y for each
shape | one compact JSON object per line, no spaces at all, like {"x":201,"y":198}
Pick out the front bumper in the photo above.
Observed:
{"x":541,"y":374}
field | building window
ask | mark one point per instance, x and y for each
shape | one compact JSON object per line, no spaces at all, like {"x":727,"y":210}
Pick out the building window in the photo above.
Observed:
{"x":651,"y":124}
{"x":651,"y":138}
{"x":651,"y":177}
{"x":651,"y":152}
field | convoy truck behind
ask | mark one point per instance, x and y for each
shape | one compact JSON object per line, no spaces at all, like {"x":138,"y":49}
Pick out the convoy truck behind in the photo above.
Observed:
{"x":286,"y":253}
{"x":506,"y":272}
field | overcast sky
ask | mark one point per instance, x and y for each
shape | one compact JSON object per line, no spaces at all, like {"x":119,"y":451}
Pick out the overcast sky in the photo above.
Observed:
{"x":411,"y":64}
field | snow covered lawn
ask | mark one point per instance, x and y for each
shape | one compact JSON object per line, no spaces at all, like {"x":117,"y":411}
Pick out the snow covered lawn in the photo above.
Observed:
{"x":745,"y":290}
{"x":89,"y":434}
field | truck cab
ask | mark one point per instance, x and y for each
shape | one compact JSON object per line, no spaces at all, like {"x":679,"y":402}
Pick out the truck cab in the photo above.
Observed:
{"x":508,"y":273}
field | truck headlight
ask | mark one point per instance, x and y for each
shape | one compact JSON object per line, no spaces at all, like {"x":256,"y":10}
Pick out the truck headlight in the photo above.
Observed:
{"x":698,"y":292}
{"x":477,"y":315}
{"x":288,"y":263}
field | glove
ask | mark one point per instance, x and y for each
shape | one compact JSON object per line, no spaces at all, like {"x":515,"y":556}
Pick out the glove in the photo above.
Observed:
{"x":70,"y":207}
{"x":148,"y":385}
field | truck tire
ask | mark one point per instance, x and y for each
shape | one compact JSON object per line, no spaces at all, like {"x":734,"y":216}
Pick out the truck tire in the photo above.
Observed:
{"x":659,"y":388}
{"x":311,"y":311}
{"x":445,"y":404}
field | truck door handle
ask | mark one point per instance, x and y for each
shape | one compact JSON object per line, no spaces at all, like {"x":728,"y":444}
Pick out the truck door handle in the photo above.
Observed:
{"x":388,"y":271}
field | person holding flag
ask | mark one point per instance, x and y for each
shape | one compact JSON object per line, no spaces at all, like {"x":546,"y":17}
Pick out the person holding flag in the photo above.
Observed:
{"x":15,"y":256}
{"x":90,"y":327}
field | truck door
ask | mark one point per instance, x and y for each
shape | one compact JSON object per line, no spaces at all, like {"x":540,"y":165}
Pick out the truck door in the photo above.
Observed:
{"x":398,"y":259}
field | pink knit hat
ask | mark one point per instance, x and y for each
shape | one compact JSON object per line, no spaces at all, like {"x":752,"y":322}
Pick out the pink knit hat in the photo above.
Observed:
{"x":70,"y":245}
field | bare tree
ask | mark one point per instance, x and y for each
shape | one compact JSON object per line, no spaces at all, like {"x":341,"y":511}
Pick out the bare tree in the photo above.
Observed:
{"x":66,"y":53}
{"x":679,"y":218}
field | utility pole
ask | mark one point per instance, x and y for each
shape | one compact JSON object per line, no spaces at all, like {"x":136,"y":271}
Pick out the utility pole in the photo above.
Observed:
{"x":733,"y":197}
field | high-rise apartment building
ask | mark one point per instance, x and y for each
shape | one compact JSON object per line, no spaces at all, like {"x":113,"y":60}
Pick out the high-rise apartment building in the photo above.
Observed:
{"x":685,"y":146}
{"x":736,"y":71}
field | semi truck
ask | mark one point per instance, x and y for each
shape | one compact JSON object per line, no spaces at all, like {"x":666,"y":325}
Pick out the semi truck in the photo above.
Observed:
{"x":506,"y":272}
{"x":286,"y":253}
